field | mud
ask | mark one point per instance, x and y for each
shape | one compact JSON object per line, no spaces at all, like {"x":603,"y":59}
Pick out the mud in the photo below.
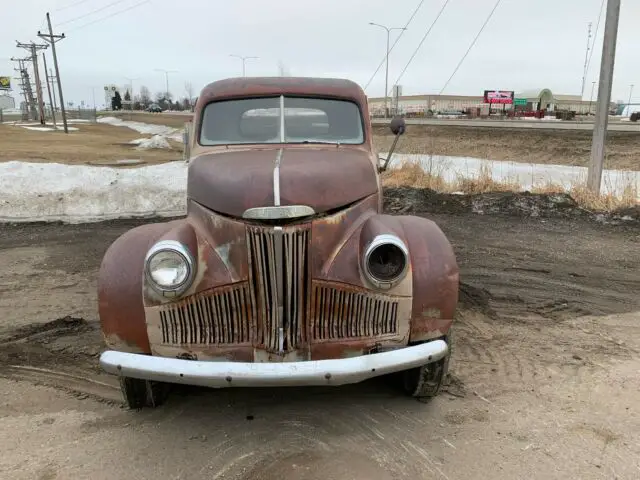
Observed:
{"x":409,"y":200}
{"x":543,"y":377}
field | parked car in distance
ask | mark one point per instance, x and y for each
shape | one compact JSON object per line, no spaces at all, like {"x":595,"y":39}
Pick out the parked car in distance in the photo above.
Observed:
{"x":155,"y":108}
{"x":285,"y":270}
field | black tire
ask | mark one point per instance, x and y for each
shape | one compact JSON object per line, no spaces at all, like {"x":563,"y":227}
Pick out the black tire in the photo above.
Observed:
{"x":143,"y":393}
{"x":426,"y":381}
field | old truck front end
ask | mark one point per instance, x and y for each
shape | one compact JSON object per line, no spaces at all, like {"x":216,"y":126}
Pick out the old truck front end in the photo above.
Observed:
{"x":284,"y":272}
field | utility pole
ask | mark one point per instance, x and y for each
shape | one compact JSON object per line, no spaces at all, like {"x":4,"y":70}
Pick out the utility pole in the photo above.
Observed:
{"x":25,"y":85}
{"x":46,"y":75}
{"x":52,"y":39}
{"x":586,"y":61}
{"x":244,"y":59}
{"x":386,"y":75}
{"x":629,"y":101}
{"x":33,"y":49}
{"x":594,"y":178}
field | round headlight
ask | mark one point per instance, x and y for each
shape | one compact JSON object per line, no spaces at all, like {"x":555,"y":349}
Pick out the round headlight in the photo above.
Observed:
{"x":386,"y":261}
{"x":169,"y":267}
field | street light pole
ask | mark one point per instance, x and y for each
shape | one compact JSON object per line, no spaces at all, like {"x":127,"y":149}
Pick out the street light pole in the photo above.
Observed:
{"x":166,"y":77}
{"x":593,"y":86}
{"x":244,"y":59}
{"x":386,"y":76}
{"x":131,"y":91}
{"x":629,"y":101}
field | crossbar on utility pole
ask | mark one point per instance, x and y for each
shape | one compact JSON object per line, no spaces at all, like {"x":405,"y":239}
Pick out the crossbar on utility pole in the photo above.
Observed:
{"x":598,"y":144}
{"x":52,"y":39}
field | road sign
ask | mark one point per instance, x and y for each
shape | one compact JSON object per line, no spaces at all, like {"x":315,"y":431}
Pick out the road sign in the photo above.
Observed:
{"x":5,"y":83}
{"x":520,"y":101}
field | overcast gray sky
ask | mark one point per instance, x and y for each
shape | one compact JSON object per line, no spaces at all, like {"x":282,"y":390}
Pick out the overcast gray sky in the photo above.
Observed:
{"x":528,"y":44}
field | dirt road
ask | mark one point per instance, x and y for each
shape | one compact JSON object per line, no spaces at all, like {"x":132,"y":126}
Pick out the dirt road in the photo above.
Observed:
{"x":545,"y":374}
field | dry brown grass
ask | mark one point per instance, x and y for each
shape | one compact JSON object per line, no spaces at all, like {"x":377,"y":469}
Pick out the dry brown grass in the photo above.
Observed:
{"x":91,"y":143}
{"x":413,"y":175}
{"x":562,"y":147}
{"x":604,"y":202}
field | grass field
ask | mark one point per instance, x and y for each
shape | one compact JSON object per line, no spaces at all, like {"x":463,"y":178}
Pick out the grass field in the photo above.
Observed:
{"x":91,"y":143}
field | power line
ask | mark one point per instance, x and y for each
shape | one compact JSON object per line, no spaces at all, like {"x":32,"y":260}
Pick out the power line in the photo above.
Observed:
{"x":394,"y":43}
{"x":415,"y":52}
{"x":70,"y":6}
{"x":471,"y":46}
{"x":109,"y":16}
{"x":594,"y":37}
{"x":91,"y":12}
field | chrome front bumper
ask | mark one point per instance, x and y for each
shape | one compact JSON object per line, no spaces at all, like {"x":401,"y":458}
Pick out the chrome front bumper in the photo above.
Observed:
{"x":238,"y":374}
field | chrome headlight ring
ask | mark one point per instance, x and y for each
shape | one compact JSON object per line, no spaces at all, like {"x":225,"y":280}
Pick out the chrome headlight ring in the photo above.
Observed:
{"x":386,"y":261}
{"x":178,"y":263}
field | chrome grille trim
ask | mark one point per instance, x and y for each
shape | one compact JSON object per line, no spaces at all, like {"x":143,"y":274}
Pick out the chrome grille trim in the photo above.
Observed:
{"x":220,"y":316}
{"x":279,"y":275}
{"x":342,"y":313}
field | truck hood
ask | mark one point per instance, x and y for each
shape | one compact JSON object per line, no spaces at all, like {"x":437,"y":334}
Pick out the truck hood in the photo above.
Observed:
{"x":327,"y":178}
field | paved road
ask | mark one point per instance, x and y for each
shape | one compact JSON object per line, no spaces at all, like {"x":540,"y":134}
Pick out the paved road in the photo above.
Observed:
{"x":518,"y":124}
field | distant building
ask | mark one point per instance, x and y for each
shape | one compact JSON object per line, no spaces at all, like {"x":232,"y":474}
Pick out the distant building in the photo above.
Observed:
{"x":443,"y":104}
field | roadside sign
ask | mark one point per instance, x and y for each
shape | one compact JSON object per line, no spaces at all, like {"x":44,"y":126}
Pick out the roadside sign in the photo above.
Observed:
{"x":5,"y":83}
{"x":520,"y":101}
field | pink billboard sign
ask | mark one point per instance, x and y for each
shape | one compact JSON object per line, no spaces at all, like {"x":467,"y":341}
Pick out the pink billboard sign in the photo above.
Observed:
{"x":498,"y":96}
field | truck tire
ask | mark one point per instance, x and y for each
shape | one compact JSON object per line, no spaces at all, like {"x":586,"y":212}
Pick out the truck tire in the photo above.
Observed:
{"x":426,"y":381}
{"x":143,"y":393}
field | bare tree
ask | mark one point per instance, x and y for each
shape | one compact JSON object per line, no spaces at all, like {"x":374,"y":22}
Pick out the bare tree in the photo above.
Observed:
{"x":145,"y":96}
{"x":188,"y":87}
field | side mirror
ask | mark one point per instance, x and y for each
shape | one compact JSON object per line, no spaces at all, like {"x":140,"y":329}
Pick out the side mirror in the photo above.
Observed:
{"x":398,"y":127}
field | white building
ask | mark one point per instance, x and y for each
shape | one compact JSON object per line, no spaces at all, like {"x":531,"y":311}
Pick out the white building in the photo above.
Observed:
{"x":420,"y":104}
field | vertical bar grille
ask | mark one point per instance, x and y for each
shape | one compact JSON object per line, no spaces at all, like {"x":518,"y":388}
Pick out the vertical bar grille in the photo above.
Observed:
{"x":279,"y":276}
{"x":224,"y":316}
{"x":341,"y":314}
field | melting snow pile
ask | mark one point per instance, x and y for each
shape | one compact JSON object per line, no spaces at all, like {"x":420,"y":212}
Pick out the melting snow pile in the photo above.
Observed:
{"x":527,"y":175}
{"x":157,"y":141}
{"x":78,"y":193}
{"x":31,"y":192}
{"x":146,"y":128}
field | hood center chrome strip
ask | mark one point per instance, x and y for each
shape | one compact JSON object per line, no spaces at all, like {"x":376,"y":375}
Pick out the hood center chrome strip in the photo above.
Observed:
{"x":276,"y":179}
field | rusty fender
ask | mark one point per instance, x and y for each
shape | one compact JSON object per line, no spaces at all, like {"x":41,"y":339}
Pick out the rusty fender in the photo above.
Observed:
{"x":435,"y":278}
{"x":120,"y":305}
{"x":218,"y":246}
{"x":434,"y":271}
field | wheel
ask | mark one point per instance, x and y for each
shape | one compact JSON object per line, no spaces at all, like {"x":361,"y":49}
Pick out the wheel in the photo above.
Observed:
{"x":143,"y":393}
{"x":425,"y":381}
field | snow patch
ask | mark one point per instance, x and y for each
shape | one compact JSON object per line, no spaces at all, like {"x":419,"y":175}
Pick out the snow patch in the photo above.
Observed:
{"x":145,"y":128}
{"x":31,"y":192}
{"x":46,"y":129}
{"x":157,"y":141}
{"x":79,"y":193}
{"x":527,"y":175}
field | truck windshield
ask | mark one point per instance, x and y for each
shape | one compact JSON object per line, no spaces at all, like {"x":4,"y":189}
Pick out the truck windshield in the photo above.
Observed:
{"x":281,"y":120}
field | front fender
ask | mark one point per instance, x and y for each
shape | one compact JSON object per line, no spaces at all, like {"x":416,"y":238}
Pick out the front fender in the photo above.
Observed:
{"x":120,"y":305}
{"x":435,"y":278}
